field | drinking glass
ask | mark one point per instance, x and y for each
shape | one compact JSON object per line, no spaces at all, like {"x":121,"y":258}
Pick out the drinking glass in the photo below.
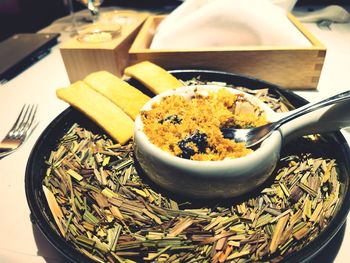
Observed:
{"x":74,"y":23}
{"x":121,"y":17}
{"x":70,"y":26}
{"x":99,"y":31}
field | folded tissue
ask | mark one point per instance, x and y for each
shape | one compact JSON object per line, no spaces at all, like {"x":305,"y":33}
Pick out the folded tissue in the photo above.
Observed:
{"x":222,"y":23}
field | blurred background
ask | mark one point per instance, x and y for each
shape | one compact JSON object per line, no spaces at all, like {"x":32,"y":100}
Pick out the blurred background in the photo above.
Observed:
{"x":21,"y":16}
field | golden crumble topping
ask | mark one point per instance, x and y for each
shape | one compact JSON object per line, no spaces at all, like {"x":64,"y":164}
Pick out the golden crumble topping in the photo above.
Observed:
{"x":191,"y":127}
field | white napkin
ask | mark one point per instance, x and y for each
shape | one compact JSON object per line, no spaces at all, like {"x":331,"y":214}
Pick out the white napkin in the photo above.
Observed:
{"x":218,"y":23}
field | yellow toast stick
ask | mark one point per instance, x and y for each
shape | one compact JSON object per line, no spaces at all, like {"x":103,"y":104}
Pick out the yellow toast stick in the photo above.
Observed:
{"x":121,"y":93}
{"x":155,"y":78}
{"x":100,"y":109}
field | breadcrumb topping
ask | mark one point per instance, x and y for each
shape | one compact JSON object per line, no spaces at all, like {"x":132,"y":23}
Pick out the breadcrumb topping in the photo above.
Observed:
{"x":191,"y":127}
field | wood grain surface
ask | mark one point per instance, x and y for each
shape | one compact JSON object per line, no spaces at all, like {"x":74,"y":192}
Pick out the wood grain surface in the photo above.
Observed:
{"x":81,"y":59}
{"x":291,"y":67}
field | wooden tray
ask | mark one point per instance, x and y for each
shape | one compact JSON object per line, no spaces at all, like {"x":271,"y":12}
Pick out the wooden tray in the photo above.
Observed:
{"x":292,"y":67}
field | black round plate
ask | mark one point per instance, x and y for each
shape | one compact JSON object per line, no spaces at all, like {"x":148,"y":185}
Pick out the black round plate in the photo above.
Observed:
{"x":36,"y":167}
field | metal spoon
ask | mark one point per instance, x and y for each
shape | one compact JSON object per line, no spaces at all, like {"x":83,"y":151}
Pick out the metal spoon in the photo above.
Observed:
{"x":254,"y":136}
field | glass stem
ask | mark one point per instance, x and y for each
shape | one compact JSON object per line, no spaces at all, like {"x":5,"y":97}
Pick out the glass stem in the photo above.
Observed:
{"x":93,"y":10}
{"x":71,"y":13}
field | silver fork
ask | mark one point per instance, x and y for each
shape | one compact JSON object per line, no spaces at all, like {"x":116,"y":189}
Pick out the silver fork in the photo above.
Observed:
{"x":20,"y":131}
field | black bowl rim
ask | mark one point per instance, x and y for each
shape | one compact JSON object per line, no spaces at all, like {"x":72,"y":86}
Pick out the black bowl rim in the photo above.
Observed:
{"x":70,"y":253}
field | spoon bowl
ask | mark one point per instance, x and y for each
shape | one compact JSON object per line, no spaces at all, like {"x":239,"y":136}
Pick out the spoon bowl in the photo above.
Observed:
{"x":254,"y":136}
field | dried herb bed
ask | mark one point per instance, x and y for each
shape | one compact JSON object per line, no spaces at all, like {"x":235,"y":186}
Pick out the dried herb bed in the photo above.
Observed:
{"x":108,"y":211}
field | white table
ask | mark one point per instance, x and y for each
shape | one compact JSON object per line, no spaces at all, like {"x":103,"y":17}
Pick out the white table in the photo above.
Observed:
{"x":20,"y":241}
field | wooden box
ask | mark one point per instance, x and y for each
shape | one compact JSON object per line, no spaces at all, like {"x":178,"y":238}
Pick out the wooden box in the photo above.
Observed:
{"x":292,"y":67}
{"x":81,"y":58}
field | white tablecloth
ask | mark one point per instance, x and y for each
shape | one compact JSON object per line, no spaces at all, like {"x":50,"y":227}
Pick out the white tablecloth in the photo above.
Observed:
{"x":20,"y":241}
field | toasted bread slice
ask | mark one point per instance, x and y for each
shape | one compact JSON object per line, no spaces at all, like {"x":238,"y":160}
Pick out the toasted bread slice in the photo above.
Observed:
{"x":100,"y":109}
{"x":155,"y":78}
{"x":121,"y":93}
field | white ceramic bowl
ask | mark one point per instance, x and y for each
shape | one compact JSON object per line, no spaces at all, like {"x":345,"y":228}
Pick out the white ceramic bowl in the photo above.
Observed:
{"x":205,"y":179}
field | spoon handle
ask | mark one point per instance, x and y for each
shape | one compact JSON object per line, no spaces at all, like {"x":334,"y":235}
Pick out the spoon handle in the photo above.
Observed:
{"x":318,"y":117}
{"x":314,"y":106}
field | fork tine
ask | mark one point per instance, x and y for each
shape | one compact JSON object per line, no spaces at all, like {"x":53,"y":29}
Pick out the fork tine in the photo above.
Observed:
{"x":18,"y":118}
{"x":34,"y":113}
{"x":26,"y":116}
{"x":26,"y":124}
{"x":32,"y":128}
{"x":18,"y":131}
{"x":31,"y":117}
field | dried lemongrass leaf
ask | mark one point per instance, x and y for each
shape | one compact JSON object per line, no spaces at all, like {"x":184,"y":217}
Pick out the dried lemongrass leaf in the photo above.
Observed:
{"x":55,"y":209}
{"x":276,"y":238}
{"x":180,"y":226}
